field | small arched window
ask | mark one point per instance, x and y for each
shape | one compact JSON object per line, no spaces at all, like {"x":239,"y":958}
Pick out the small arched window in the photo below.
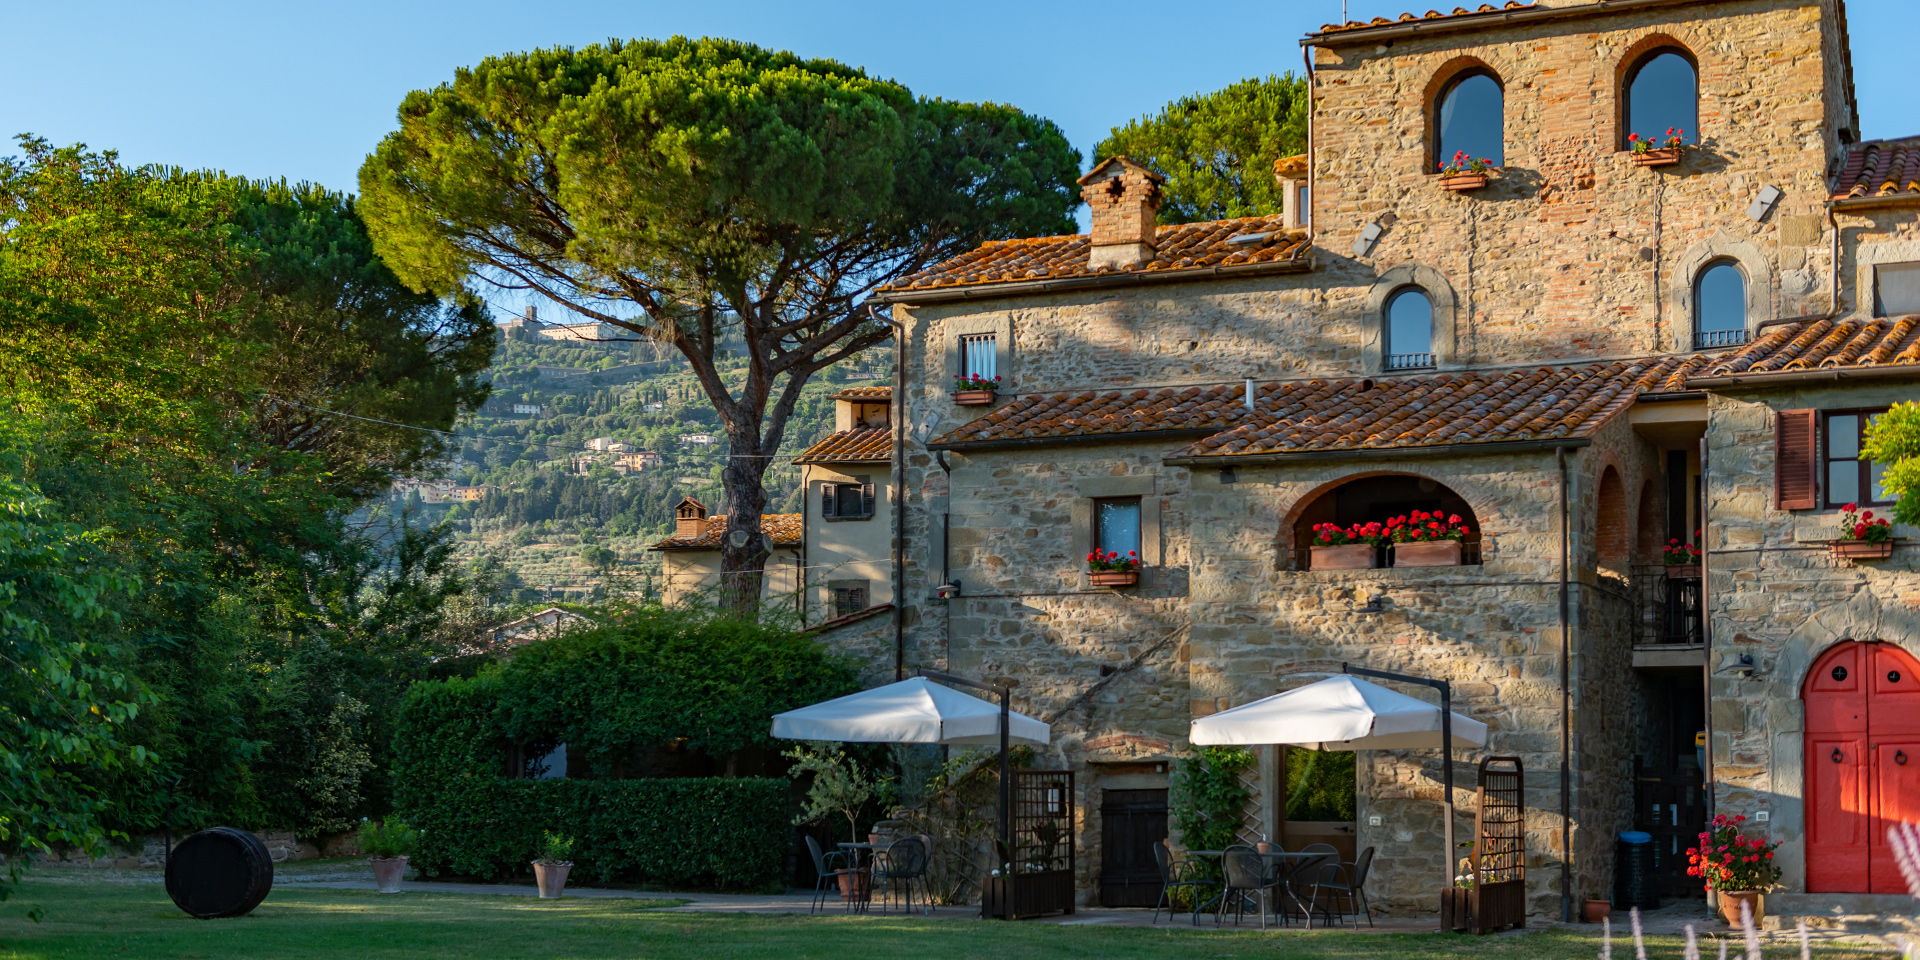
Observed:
{"x":1409,"y":323}
{"x":1663,"y":93}
{"x":1720,"y":305}
{"x":1470,"y":120}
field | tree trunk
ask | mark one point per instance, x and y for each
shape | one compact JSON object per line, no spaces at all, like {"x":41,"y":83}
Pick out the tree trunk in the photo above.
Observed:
{"x":744,"y":548}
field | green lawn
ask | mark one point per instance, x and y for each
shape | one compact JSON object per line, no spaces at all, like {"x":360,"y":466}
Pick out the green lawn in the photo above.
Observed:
{"x":102,"y":920}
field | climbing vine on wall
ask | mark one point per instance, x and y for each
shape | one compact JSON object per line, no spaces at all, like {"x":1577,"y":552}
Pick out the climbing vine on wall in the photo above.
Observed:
{"x":1206,"y":796}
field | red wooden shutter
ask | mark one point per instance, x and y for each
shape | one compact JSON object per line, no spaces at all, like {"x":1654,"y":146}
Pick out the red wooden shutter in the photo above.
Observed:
{"x":1796,"y":451}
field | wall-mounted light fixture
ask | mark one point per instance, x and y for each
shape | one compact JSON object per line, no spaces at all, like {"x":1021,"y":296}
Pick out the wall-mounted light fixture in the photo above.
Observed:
{"x":1373,"y":605}
{"x":1763,"y":203}
{"x":1369,"y":235}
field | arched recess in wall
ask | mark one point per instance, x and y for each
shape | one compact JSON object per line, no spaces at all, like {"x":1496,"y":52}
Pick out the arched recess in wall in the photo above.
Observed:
{"x":1465,"y":104}
{"x":1694,"y":265}
{"x":1375,"y":497}
{"x":1612,"y":535}
{"x":1393,"y":285}
{"x":1649,"y":525}
{"x":1657,"y":86}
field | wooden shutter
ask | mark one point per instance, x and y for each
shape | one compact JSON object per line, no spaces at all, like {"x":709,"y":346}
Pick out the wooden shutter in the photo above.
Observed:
{"x":866,"y":499}
{"x":826,"y":499}
{"x":1796,"y":450}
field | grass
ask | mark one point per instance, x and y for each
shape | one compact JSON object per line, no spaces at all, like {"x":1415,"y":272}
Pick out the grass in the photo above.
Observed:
{"x":90,"y":919}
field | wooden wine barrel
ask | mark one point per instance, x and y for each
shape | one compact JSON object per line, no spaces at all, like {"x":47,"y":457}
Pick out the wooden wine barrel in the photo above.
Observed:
{"x":219,"y":872}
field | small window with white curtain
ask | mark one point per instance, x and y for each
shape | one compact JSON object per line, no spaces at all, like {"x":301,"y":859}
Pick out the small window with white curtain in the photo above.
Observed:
{"x":977,"y":357}
{"x":1896,"y":289}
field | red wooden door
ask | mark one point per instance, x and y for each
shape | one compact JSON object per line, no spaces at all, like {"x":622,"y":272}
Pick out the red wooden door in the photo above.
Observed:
{"x":1862,"y":765}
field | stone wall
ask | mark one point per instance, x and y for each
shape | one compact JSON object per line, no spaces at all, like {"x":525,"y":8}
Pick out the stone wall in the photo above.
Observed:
{"x":282,"y":845}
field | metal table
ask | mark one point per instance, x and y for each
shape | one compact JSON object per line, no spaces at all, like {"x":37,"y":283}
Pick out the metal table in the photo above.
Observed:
{"x":1307,"y":860}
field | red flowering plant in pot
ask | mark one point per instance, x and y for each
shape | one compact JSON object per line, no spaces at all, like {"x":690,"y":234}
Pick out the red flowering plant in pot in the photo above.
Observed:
{"x":1682,"y":559}
{"x":1110,"y":569}
{"x":1464,"y":172}
{"x":972,"y":389}
{"x":1741,"y":868}
{"x":1862,"y":535}
{"x":1423,"y":539}
{"x":1657,"y":151}
{"x":1355,"y":547}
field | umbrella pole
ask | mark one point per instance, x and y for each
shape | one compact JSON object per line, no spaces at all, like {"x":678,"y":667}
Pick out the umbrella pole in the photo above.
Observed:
{"x":1446,"y":776}
{"x":1006,"y":804}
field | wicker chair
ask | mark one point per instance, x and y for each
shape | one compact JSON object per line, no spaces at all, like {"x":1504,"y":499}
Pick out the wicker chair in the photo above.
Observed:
{"x":1176,"y":875}
{"x":828,"y":873}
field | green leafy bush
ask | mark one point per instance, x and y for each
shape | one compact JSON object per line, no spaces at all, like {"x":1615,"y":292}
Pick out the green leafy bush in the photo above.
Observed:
{"x":386,"y":839}
{"x":1207,"y":796}
{"x":555,"y":848}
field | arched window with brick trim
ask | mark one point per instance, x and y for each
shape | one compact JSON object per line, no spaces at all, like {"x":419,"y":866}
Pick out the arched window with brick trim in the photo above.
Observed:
{"x":1469,"y":118}
{"x":1661,"y":90}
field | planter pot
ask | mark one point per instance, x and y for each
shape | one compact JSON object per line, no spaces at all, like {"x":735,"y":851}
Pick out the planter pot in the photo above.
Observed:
{"x":1730,"y":901}
{"x":387,"y":872}
{"x":1463,"y":182}
{"x":1664,"y":157}
{"x":853,"y":887}
{"x":1683,"y":571}
{"x":1860,"y":549}
{"x":1350,"y":556}
{"x":1114,"y":578}
{"x":972,"y":398}
{"x":552,"y":878}
{"x":1595,"y":911}
{"x":1427,"y":553}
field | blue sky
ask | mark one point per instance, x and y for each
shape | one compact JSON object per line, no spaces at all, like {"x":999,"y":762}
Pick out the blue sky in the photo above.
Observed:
{"x":305,"y":91}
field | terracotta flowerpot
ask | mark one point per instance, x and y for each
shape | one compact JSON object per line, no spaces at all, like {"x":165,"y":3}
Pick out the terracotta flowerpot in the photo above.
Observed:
{"x":1463,"y":182}
{"x":1595,"y":911}
{"x":1349,"y":556}
{"x":1730,"y":901}
{"x":1860,"y":549}
{"x":1683,"y":571}
{"x":1663,"y":157}
{"x":972,"y":398}
{"x":1114,"y":578}
{"x":552,"y":877}
{"x":1427,"y":553}
{"x":387,"y":873}
{"x":853,"y":887}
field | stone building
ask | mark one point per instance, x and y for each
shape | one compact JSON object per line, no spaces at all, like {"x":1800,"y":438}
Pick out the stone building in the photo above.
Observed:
{"x":847,"y":512}
{"x":1542,"y":354}
{"x":690,"y":559}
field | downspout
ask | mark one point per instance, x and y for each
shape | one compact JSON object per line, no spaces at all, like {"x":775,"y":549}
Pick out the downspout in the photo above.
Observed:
{"x":800,"y":573}
{"x":1566,"y":705}
{"x":1706,"y":628}
{"x":1306,"y":55}
{"x":899,"y":497}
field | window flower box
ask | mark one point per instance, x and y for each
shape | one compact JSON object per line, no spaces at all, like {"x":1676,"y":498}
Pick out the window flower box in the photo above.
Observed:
{"x":1427,"y":553}
{"x":1860,"y":549}
{"x":1666,"y":157}
{"x":1110,"y":569}
{"x":1861,"y":536}
{"x":974,"y":390}
{"x":1645,"y":154}
{"x":1464,"y":182}
{"x":1115,"y":578}
{"x":972,"y":398}
{"x":1683,"y":571}
{"x":1464,"y":173}
{"x":1346,"y":556}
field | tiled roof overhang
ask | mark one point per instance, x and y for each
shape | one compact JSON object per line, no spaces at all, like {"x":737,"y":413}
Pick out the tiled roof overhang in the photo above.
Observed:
{"x":1484,"y":17}
{"x":864,"y":445}
{"x":784,"y":528}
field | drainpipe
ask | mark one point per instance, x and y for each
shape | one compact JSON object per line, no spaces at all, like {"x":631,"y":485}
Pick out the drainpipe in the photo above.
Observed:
{"x":899,"y":493}
{"x":1706,"y":629}
{"x":1566,"y":705}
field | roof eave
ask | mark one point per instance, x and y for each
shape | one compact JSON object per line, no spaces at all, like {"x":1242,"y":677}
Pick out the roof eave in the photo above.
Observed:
{"x":1480,"y":21}
{"x":876,"y":458}
{"x":1868,"y":203}
{"x":1133,"y":436}
{"x":1378,"y":453}
{"x":1775,"y":377}
{"x":1022,"y":288}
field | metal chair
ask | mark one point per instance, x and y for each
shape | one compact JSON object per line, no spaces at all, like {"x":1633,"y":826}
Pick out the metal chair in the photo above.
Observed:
{"x":1245,"y":871}
{"x":1354,"y":886}
{"x":1175,"y":875}
{"x":1318,"y":873}
{"x":903,"y":862}
{"x":823,"y":865}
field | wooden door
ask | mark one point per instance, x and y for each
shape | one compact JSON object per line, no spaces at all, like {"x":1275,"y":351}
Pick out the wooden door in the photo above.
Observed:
{"x":1862,"y":765}
{"x":1131,"y":822}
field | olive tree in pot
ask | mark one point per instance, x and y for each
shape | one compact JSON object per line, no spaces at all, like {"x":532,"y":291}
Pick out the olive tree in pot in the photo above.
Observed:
{"x":387,"y":843}
{"x":839,"y":787}
{"x":551,"y":865}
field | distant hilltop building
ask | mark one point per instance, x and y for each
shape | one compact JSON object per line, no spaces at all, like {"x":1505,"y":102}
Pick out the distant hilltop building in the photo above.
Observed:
{"x":440,"y":491}
{"x":609,"y":445}
{"x":527,"y":409}
{"x":703,"y":439}
{"x":589,"y":331}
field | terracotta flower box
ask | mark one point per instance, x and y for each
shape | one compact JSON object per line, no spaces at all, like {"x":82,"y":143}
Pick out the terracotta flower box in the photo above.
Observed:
{"x":1860,"y":549}
{"x":1349,"y":556}
{"x":1427,"y":553}
{"x":1114,"y":578}
{"x":1683,"y":571}
{"x":972,"y":398}
{"x":1463,"y":182}
{"x":1663,"y":157}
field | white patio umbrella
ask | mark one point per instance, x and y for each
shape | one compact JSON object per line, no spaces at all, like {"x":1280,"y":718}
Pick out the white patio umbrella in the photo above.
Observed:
{"x":1338,"y":713}
{"x":911,"y":711}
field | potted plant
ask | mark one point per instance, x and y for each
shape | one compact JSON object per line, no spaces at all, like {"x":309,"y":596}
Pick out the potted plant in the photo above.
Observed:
{"x":1741,"y":868}
{"x":1596,"y":909}
{"x":387,"y":843}
{"x":1345,"y":548}
{"x":551,"y":865}
{"x":1862,"y":537}
{"x":840,"y":787}
{"x":1113,"y":570}
{"x":1422,"y":539}
{"x":973,"y":390}
{"x":1666,"y":154}
{"x":1682,"y":559}
{"x":1464,"y":173}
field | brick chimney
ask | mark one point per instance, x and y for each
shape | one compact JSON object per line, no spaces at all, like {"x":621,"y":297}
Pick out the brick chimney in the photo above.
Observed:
{"x":690,"y":518}
{"x":1125,"y":197}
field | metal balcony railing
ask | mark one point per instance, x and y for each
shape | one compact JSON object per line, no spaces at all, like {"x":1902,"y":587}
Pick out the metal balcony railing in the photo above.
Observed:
{"x":1709,"y":339}
{"x":1410,"y":361}
{"x":1668,"y":607}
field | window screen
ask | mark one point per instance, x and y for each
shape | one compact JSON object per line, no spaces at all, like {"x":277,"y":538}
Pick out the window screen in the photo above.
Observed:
{"x":1117,"y":526}
{"x":1849,"y":478}
{"x":1409,"y":330}
{"x":1471,"y":121}
{"x":976,"y":357}
{"x":1896,"y":289}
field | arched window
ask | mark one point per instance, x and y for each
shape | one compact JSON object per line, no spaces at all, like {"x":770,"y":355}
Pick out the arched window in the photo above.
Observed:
{"x":1470,"y":120}
{"x":1720,"y":306}
{"x":1379,"y":498}
{"x":1663,"y":93}
{"x":1409,"y":323}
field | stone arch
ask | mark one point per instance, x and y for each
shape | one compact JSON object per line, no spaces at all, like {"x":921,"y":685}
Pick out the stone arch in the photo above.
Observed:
{"x":1613,"y":537}
{"x":1445,"y":308}
{"x":1642,"y":50}
{"x":1649,"y":525}
{"x":1687,"y":269}
{"x":1394,"y":490}
{"x":1438,"y":84}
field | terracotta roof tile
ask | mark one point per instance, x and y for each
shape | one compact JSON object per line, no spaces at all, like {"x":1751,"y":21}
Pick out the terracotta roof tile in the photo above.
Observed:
{"x":1880,"y":168}
{"x":865,"y":444}
{"x":784,"y":528}
{"x":1092,"y":413}
{"x":1184,"y":246}
{"x":1430,"y":16}
{"x":1825,"y":345}
{"x":864,"y":393}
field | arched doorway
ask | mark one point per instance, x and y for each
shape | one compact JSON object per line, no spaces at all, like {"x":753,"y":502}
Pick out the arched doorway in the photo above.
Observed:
{"x":1862,"y":764}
